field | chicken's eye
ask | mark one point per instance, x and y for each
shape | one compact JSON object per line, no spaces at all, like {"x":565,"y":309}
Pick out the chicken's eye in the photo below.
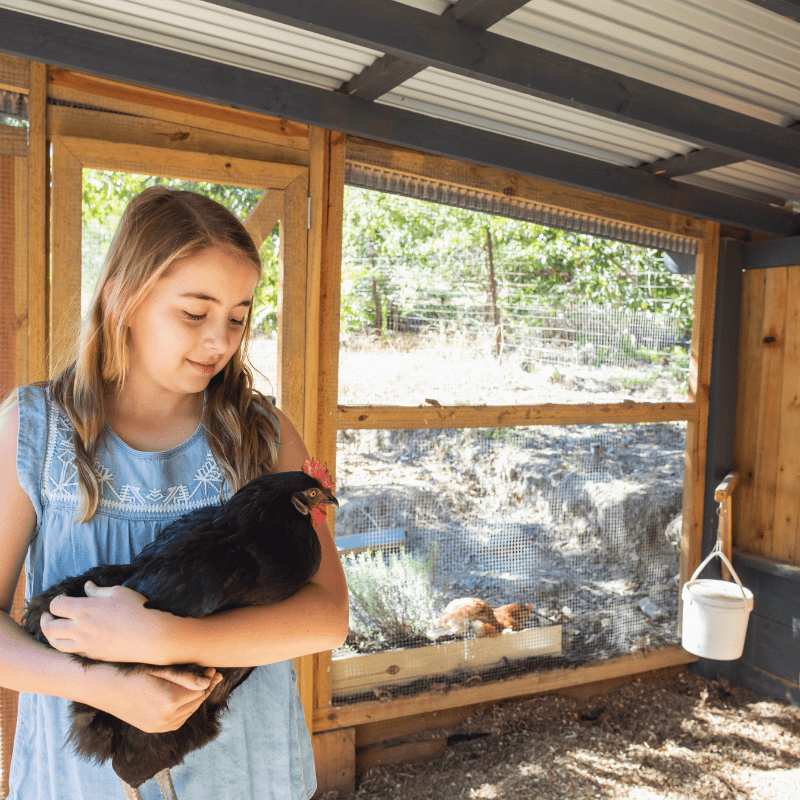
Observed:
{"x":313,"y":493}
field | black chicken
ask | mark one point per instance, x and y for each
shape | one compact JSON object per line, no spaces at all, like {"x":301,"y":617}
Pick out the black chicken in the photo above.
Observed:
{"x":258,"y":548}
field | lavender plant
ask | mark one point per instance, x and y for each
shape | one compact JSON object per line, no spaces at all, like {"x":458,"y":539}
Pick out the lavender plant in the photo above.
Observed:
{"x":393,"y":597}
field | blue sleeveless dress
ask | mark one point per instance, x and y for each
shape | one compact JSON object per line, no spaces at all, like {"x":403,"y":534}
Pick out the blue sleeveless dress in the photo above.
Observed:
{"x":264,"y":750}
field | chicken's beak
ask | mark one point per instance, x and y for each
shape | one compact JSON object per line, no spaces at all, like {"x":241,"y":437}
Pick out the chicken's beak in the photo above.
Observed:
{"x":330,"y":499}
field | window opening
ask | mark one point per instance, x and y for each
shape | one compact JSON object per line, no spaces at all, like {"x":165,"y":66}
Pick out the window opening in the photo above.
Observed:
{"x":571,"y":531}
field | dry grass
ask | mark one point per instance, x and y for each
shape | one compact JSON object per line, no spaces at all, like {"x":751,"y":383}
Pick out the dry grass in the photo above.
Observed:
{"x":407,"y":369}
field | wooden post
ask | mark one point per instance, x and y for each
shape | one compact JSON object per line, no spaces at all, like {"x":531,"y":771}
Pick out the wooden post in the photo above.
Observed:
{"x":722,"y":495}
{"x":326,"y":193}
{"x":38,"y":267}
{"x":699,"y":385}
{"x":65,"y":286}
{"x":292,"y":288}
{"x":335,"y":760}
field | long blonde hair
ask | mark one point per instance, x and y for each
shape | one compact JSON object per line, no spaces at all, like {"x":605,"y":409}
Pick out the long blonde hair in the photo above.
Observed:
{"x":158,"y":226}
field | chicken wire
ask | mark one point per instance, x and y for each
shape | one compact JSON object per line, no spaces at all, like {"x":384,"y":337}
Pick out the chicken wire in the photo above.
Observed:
{"x":13,"y":264}
{"x":581,"y":522}
{"x":570,"y":352}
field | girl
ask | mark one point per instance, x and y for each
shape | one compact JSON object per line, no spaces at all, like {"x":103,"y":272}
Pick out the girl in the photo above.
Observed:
{"x":156,"y":416}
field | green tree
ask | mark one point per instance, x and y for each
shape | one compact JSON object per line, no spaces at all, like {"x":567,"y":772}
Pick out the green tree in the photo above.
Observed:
{"x":411,"y":248}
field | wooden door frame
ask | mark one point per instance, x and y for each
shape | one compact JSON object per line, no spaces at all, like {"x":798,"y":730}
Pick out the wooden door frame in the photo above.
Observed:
{"x":286,"y":186}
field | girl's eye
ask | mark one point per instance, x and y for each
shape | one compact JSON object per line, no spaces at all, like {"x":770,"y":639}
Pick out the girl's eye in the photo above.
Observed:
{"x":198,"y":317}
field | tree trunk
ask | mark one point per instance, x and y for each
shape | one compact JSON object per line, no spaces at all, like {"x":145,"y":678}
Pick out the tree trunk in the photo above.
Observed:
{"x":495,"y":311}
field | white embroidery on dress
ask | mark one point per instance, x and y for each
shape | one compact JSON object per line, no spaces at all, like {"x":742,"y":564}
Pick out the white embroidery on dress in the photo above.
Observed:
{"x":62,"y":477}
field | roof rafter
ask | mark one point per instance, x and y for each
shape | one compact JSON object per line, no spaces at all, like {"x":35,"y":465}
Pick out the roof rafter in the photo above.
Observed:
{"x":431,"y":40}
{"x":108,"y":56}
{"x":389,"y":71}
{"x":786,"y":8}
{"x":694,"y":162}
{"x":689,"y":164}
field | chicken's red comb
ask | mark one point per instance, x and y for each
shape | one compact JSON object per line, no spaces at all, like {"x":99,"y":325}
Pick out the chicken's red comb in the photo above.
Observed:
{"x":319,"y":471}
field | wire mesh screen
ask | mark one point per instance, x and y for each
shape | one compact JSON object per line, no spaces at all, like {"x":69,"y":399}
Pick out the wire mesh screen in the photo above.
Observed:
{"x":473,"y":555}
{"x":13,"y":294}
{"x":434,"y":297}
{"x":105,"y":195}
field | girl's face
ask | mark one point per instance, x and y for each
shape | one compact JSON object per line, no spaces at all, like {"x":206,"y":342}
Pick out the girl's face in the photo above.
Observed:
{"x":186,"y":330}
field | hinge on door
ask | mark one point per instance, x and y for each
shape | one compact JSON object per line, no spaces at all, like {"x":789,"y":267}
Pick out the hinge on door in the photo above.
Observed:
{"x":309,"y":213}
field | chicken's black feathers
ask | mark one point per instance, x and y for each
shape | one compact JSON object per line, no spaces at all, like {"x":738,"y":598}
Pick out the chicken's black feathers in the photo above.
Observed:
{"x":258,"y":548}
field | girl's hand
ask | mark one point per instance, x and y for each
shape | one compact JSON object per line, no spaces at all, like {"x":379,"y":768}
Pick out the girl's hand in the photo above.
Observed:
{"x":155,"y":700}
{"x":109,"y":624}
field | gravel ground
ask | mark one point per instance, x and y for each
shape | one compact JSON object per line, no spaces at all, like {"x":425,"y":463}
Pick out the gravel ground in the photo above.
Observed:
{"x":674,"y":738}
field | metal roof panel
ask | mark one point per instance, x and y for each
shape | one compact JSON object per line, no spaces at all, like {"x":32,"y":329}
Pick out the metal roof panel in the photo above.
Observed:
{"x":213,"y":32}
{"x":728,"y":52}
{"x":498,"y":109}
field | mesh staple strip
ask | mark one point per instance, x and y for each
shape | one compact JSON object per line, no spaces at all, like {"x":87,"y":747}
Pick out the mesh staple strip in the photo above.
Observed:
{"x":366,"y":177}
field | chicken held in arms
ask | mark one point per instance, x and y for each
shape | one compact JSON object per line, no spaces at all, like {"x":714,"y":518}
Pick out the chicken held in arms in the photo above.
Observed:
{"x":258,"y":548}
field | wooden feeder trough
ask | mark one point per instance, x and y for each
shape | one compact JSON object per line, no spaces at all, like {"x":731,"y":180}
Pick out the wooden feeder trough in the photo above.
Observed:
{"x":374,"y":671}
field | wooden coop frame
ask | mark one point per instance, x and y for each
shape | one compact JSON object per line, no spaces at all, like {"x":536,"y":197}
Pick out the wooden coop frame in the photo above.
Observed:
{"x":303,"y":167}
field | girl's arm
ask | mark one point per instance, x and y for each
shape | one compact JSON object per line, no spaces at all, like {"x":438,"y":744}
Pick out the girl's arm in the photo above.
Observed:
{"x":148,"y":701}
{"x":114,"y":625}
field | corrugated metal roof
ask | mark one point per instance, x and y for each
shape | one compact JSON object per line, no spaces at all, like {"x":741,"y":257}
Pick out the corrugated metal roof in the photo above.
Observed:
{"x":448,"y":96}
{"x":213,"y":32}
{"x":728,"y":52}
{"x":731,"y":53}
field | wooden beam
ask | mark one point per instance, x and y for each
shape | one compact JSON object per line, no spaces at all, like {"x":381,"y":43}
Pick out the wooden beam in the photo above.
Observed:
{"x":771,"y":253}
{"x":212,"y":167}
{"x":187,"y":75}
{"x":38,"y":260}
{"x":435,"y":41}
{"x":65,"y":282}
{"x":696,"y":161}
{"x":409,"y":417}
{"x":130,"y":130}
{"x":21,"y":245}
{"x":261,"y":221}
{"x":292,"y":289}
{"x":700,"y":384}
{"x":290,"y":138}
{"x":15,"y":74}
{"x":326,"y":191}
{"x":534,"y":683}
{"x":388,"y":71}
{"x":786,"y":8}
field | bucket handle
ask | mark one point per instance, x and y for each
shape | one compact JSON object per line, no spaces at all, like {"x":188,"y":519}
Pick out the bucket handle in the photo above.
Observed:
{"x":717,"y":551}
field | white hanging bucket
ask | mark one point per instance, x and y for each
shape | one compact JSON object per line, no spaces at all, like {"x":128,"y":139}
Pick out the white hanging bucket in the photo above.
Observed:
{"x":715,"y":614}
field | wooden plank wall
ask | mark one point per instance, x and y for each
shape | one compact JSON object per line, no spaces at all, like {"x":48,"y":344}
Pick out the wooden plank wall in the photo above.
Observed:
{"x":766,"y":503}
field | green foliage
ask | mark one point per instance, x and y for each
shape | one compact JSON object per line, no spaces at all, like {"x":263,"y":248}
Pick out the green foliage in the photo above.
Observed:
{"x":14,"y":122}
{"x":415,"y":249}
{"x":106,"y":194}
{"x":392,"y":596}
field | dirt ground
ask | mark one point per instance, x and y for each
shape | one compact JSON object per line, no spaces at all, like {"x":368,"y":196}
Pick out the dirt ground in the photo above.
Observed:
{"x":674,"y":738}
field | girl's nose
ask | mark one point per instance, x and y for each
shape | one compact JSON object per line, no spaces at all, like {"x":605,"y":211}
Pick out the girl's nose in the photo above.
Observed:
{"x":218,"y":338}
